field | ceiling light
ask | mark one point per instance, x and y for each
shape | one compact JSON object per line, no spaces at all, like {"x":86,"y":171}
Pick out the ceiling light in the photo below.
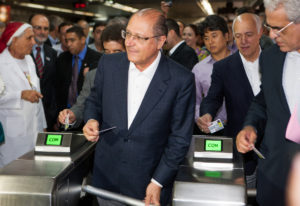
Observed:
{"x":63,"y":10}
{"x":205,"y":6}
{"x":120,"y":6}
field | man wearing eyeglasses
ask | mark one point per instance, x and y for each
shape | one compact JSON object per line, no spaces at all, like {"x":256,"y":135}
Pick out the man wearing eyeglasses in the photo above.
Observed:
{"x":44,"y":57}
{"x":150,"y":99}
{"x":273,"y":106}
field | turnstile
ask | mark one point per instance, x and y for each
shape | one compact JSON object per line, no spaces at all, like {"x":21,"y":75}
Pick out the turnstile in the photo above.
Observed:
{"x":51,"y":174}
{"x":212,"y":174}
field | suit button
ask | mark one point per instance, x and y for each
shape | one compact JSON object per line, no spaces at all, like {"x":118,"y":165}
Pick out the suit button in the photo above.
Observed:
{"x":126,"y":140}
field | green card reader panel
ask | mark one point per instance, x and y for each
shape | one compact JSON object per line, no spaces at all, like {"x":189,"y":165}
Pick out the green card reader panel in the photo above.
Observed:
{"x":213,"y":145}
{"x":54,"y":139}
{"x":55,"y":143}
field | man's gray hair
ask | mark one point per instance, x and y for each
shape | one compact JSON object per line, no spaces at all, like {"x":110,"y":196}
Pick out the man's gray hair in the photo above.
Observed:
{"x":160,"y":27}
{"x":291,"y":8}
{"x":256,"y":18}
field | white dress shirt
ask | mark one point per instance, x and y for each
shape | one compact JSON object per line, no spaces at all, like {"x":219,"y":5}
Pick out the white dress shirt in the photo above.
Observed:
{"x":291,"y":78}
{"x":252,"y":72}
{"x":138,"y":83}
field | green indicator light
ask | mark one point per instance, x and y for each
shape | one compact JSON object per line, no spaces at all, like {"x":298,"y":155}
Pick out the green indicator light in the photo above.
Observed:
{"x":54,"y":139}
{"x":213,"y":145}
{"x":212,"y":174}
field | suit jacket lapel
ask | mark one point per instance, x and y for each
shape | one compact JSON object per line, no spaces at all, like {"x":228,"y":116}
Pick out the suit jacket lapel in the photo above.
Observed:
{"x":242,"y":76}
{"x":278,"y":65}
{"x":120,"y":79}
{"x":178,"y":50}
{"x":46,"y":60}
{"x":155,"y":91}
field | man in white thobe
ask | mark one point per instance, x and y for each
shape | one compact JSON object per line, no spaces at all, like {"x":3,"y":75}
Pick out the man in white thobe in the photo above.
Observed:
{"x":21,"y":110}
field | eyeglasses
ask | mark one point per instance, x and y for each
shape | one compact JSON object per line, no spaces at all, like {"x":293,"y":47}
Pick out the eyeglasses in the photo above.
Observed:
{"x":277,"y":30}
{"x":128,"y":35}
{"x":39,"y":28}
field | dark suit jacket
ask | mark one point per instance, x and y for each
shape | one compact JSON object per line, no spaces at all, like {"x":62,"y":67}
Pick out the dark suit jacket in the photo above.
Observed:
{"x":229,"y":80}
{"x":159,"y":136}
{"x":271,"y":105}
{"x":64,"y":67}
{"x":185,"y":56}
{"x":48,"y":42}
{"x":47,"y":83}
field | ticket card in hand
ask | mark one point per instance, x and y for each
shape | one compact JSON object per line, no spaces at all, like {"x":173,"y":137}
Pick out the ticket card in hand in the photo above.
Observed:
{"x":215,"y":126}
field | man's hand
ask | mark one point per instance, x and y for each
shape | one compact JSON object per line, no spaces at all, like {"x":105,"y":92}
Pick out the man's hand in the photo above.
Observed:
{"x":91,"y":130}
{"x":152,"y":194}
{"x":204,"y":122}
{"x":85,"y":71}
{"x":63,"y":114}
{"x":32,"y":96}
{"x":246,"y":139}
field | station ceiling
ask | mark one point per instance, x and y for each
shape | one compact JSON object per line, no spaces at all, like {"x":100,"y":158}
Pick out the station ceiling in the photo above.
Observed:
{"x":186,"y":10}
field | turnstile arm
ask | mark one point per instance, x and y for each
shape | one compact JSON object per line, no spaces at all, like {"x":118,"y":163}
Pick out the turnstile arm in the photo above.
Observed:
{"x":112,"y":196}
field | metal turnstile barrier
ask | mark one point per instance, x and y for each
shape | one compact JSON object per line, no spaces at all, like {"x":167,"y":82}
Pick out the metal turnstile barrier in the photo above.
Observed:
{"x":51,"y":174}
{"x":212,"y":174}
{"x":54,"y":173}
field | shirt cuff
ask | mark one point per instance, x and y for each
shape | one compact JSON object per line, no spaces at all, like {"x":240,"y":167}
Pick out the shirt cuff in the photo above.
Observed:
{"x":155,"y":182}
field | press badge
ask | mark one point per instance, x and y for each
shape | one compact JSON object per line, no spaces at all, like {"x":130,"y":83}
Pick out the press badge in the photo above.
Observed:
{"x":215,"y":126}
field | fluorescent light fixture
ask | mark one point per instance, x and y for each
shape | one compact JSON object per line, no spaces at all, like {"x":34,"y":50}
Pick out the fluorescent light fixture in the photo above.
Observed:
{"x":63,"y":10}
{"x":120,"y":6}
{"x":205,"y":6}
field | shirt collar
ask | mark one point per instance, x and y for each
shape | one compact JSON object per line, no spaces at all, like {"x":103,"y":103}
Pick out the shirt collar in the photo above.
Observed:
{"x":293,"y":54}
{"x":150,"y":70}
{"x":209,"y":59}
{"x":52,"y":40}
{"x":82,"y":54}
{"x":245,"y":61}
{"x":175,"y":47}
{"x":36,"y":45}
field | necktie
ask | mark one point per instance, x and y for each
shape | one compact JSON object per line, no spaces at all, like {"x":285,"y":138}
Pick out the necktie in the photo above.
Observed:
{"x":39,"y":62}
{"x":73,"y":86}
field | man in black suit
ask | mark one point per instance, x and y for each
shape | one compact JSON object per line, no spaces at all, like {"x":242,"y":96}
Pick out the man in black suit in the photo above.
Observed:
{"x":45,"y":60}
{"x":177,"y":48}
{"x":236,"y":78}
{"x":69,"y":78}
{"x":150,"y":99}
{"x":271,"y":109}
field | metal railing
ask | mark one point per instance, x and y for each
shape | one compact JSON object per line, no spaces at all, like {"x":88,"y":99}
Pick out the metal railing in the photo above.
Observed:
{"x":112,"y":196}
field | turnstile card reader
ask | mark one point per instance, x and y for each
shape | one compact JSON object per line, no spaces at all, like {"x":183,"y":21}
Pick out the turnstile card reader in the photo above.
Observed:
{"x":212,"y":174}
{"x":58,"y":143}
{"x":213,"y":147}
{"x":51,"y":174}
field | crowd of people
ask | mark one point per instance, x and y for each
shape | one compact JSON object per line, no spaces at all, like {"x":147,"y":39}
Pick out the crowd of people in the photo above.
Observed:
{"x":158,"y":82}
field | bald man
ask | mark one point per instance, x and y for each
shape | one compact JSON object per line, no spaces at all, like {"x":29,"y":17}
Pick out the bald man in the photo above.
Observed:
{"x":44,"y":57}
{"x":237,"y":79}
{"x":271,"y":109}
{"x":150,"y":99}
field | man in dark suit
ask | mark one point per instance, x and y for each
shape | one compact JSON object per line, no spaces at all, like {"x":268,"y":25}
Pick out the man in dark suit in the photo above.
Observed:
{"x":45,"y":60}
{"x":72,"y":66}
{"x":177,"y":48}
{"x":236,"y":78}
{"x":271,"y":108}
{"x":150,"y":99}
